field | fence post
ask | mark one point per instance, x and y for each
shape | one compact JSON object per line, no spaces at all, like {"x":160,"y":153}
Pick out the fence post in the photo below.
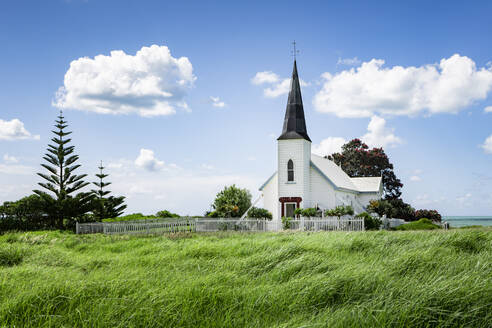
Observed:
{"x":77,"y":228}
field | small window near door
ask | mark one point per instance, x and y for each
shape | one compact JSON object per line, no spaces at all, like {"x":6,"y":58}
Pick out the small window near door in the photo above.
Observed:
{"x":290,"y":170}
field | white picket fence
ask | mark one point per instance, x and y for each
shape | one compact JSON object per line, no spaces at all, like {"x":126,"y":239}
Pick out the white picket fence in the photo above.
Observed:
{"x":137,"y":227}
{"x":351,"y":224}
{"x":161,"y":226}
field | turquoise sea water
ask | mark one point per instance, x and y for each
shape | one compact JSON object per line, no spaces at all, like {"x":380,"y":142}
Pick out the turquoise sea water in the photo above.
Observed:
{"x":462,"y":221}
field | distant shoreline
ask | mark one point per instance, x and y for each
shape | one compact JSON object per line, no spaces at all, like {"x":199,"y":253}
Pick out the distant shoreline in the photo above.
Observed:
{"x":462,"y":221}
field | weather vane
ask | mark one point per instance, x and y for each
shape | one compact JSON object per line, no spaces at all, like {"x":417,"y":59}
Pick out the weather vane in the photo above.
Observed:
{"x":295,"y":51}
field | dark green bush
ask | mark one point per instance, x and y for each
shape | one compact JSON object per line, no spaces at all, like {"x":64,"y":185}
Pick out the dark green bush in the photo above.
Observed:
{"x":433,"y":215}
{"x":131,"y":217}
{"x":286,"y":222}
{"x":370,"y":222}
{"x":259,"y":213}
{"x":25,"y":214}
{"x":340,"y":211}
{"x":307,"y":212}
{"x":167,"y":214}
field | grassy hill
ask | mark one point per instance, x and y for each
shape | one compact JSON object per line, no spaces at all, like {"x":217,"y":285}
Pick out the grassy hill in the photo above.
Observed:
{"x":335,"y":279}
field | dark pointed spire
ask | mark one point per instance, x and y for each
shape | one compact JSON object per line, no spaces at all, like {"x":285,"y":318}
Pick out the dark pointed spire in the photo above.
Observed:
{"x":294,"y":122}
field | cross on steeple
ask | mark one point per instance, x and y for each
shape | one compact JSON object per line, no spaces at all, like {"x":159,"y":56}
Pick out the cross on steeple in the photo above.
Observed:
{"x":295,"y":51}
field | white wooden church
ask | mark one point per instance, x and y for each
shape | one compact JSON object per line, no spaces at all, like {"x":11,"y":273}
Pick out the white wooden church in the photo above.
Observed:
{"x":307,"y":180}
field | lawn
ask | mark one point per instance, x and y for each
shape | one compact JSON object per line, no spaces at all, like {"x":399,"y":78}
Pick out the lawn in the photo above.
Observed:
{"x":333,"y":279}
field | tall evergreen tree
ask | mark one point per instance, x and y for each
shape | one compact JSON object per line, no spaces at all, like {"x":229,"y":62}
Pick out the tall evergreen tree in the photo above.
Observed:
{"x":106,"y":207}
{"x":61,"y":180}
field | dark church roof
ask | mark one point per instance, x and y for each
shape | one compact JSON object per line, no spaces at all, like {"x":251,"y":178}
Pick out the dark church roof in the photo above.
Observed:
{"x":294,"y":122}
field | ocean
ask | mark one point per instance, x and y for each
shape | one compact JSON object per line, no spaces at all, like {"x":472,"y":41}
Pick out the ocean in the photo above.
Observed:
{"x":462,"y":221}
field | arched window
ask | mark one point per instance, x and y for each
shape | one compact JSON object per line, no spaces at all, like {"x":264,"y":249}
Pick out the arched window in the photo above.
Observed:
{"x":290,"y":170}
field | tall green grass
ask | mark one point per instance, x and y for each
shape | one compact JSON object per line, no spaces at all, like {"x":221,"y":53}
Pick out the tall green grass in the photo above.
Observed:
{"x":334,"y":279}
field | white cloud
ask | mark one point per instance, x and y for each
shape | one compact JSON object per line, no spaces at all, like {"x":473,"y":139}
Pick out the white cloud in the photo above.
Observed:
{"x":184,"y":191}
{"x":416,"y":175}
{"x":150,"y":83}
{"x":10,"y":159}
{"x":488,"y":109}
{"x":464,"y":200}
{"x":378,"y":135}
{"x":348,"y":61}
{"x":14,"y":130}
{"x":147,"y":160}
{"x":487,"y":145}
{"x":370,"y":89}
{"x":207,"y":166}
{"x":328,"y":146}
{"x":425,"y":200}
{"x":16,"y":169}
{"x":277,"y":86}
{"x":216,"y":102}
{"x":265,"y":77}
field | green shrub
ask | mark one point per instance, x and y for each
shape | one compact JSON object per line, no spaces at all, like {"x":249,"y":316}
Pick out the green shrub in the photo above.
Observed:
{"x":307,"y":212}
{"x":433,"y":215}
{"x":340,"y":211}
{"x":131,"y":217}
{"x":422,"y":224}
{"x":167,"y":214}
{"x":286,"y":222}
{"x":370,"y":222}
{"x":231,"y":202}
{"x":259,"y":213}
{"x":310,"y":212}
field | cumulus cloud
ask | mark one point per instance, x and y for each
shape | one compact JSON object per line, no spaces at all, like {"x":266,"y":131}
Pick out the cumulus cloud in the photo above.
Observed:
{"x":10,"y":159}
{"x":207,"y":166}
{"x":14,"y":130}
{"x":267,"y":77}
{"x":276,"y":86}
{"x":488,"y":109}
{"x":216,"y":102}
{"x":182,"y":190}
{"x":416,"y":175}
{"x":464,"y":200}
{"x":348,"y":61}
{"x":371,"y":88}
{"x":378,"y":135}
{"x":424,"y":200}
{"x":328,"y":146}
{"x":150,"y":83}
{"x":146,"y":159}
{"x":487,"y":145}
{"x":16,"y":169}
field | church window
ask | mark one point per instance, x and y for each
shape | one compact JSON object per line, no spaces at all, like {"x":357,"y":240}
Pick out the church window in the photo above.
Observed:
{"x":290,"y":170}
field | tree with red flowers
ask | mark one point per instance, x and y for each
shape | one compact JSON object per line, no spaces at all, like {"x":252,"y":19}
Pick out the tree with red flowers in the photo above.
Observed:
{"x":357,"y":160}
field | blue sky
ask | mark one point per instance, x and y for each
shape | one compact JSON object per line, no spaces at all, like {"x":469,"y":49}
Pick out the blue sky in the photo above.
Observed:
{"x":172,"y":144}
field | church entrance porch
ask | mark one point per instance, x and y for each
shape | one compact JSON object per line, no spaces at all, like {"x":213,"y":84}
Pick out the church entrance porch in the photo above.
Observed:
{"x":288,"y":205}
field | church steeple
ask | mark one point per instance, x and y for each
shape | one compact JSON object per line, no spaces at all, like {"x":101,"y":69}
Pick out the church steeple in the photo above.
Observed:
{"x":294,"y":122}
